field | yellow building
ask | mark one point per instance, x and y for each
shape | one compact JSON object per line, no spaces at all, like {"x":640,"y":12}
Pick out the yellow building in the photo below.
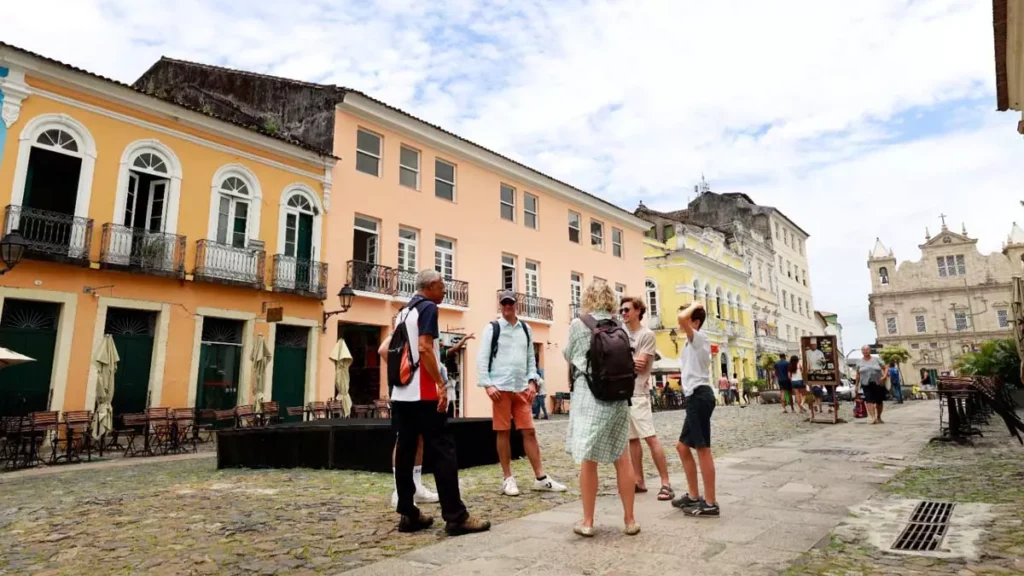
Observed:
{"x":691,"y":263}
{"x":170,"y":230}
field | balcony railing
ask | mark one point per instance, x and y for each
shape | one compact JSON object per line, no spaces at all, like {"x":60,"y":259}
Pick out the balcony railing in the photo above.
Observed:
{"x":770,"y":344}
{"x":305,"y":277}
{"x":405,"y":283}
{"x":533,"y":306}
{"x":51,"y":235}
{"x":139,"y":249}
{"x":368,"y":277}
{"x":217,"y":262}
{"x":456,"y":293}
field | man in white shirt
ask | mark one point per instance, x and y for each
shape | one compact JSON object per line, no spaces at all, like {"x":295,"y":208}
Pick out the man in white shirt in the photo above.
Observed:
{"x":507,"y":370}
{"x":815,"y":359}
{"x":695,"y":368}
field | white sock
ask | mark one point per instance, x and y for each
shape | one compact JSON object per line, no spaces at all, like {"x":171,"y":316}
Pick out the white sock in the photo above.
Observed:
{"x":417,"y":476}
{"x":394,"y":479}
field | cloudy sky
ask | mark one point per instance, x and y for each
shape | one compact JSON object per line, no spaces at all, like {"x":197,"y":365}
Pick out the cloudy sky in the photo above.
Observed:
{"x":857,"y":119}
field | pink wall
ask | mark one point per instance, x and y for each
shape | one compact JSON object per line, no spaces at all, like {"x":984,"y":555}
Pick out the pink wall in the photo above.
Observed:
{"x":474,"y":221}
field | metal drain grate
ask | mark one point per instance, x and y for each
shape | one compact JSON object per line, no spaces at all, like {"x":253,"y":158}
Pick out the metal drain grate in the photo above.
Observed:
{"x":927,"y":527}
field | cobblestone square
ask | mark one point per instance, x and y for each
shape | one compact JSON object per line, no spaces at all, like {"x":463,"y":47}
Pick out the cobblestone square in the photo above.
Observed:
{"x":186,"y":517}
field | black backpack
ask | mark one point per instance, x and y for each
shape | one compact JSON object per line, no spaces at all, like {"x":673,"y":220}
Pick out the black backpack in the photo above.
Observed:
{"x":496,"y":331}
{"x":401,"y":366}
{"x":610,"y":374}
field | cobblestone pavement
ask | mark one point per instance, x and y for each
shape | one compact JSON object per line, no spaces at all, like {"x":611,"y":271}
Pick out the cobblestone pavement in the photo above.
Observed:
{"x":186,"y":517}
{"x":991,"y":472}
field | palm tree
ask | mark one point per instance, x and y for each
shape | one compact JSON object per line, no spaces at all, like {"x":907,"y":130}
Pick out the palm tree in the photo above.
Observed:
{"x":895,"y":355}
{"x":997,"y":358}
{"x":768,"y":361}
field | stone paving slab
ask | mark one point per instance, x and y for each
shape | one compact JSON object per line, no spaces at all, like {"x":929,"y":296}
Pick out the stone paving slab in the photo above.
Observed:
{"x":778,"y":501}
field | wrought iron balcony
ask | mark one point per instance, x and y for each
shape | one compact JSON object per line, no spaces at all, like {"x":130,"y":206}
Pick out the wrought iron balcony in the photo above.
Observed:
{"x":226,"y":264}
{"x":368,"y":277}
{"x":139,"y":249}
{"x":770,"y":344}
{"x":304,"y":277}
{"x":51,"y":235}
{"x":456,"y":292}
{"x":533,"y":306}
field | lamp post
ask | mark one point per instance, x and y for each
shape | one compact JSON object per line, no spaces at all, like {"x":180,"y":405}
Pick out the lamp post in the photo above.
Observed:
{"x":674,"y":337}
{"x":345,"y":297}
{"x":12,"y":248}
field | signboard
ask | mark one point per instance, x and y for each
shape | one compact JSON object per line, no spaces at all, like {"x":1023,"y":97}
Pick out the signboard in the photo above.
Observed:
{"x":275,"y":314}
{"x":820,"y":359}
{"x":714,"y":348}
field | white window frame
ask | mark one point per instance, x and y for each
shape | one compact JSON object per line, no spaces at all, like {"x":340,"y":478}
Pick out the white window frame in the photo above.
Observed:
{"x":375,"y":232}
{"x":578,"y":228}
{"x":173,"y":197}
{"x":600,"y":235}
{"x":455,"y":176}
{"x":408,"y":249}
{"x":502,"y":203}
{"x":378,"y":155}
{"x":575,"y":289}
{"x":439,"y":256}
{"x":532,"y":271}
{"x":892,"y":327}
{"x":620,"y":293}
{"x":921,"y":323}
{"x":299,"y":189}
{"x":1003,"y":318}
{"x":414,"y":169}
{"x":617,"y":244}
{"x":509,"y":260}
{"x":961,"y":265}
{"x":527,"y":212}
{"x":957,"y":317}
{"x":254,"y":198}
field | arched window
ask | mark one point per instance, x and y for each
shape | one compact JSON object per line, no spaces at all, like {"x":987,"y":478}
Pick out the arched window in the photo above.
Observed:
{"x":883,"y":275}
{"x":731,"y":312}
{"x":235,"y":205}
{"x":53,"y":172}
{"x":300,"y":223}
{"x":707,"y":297}
{"x":739,"y":308}
{"x":148,"y":189}
{"x":718,"y":302}
{"x":651,"y":289}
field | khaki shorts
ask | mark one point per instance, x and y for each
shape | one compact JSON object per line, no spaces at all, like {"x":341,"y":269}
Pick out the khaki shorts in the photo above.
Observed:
{"x":641,"y":420}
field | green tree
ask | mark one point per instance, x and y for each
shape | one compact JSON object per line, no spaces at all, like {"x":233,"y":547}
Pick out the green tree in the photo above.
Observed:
{"x":768,"y":361}
{"x":895,"y":355}
{"x":997,"y":358}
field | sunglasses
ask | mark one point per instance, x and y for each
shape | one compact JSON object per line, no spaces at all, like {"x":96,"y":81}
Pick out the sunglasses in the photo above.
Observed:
{"x":508,"y":302}
{"x":625,"y":310}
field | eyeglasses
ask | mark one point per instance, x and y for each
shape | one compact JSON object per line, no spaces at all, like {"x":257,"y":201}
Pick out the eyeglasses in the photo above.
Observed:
{"x":625,"y":310}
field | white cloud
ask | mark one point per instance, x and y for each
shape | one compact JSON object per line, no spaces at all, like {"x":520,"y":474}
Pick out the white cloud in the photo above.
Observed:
{"x":795,"y":102}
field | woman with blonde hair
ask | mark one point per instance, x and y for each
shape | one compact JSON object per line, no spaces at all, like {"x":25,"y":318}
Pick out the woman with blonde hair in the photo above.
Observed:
{"x":598,"y":430}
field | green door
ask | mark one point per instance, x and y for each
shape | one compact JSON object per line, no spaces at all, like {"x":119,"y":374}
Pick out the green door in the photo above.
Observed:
{"x":289,"y":377}
{"x":30,"y":328}
{"x":304,"y":253}
{"x":131,"y":382}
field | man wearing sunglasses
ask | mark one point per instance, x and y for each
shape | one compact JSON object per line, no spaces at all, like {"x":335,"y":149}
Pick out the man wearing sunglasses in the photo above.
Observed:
{"x":641,"y":419}
{"x":507,"y":370}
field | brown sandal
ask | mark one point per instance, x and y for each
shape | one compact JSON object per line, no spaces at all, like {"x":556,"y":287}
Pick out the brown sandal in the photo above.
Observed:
{"x":666,"y":493}
{"x":639,"y":490}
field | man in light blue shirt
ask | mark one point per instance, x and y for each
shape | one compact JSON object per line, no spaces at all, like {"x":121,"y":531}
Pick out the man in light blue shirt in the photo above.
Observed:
{"x":507,"y":370}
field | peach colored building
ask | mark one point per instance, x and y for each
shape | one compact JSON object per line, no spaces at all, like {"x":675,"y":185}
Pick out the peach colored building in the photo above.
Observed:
{"x":165,"y":227}
{"x":409,"y":195}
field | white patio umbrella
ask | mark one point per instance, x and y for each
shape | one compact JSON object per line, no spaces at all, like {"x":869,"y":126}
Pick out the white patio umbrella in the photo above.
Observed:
{"x":260,"y":359}
{"x":10,"y":358}
{"x":342,"y":359}
{"x":106,"y":359}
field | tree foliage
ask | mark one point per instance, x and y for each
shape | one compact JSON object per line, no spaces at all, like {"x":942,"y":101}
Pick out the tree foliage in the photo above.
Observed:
{"x":996,"y":358}
{"x":894,"y":354}
{"x":768,"y":361}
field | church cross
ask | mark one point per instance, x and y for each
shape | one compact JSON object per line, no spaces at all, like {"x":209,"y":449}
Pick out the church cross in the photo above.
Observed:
{"x":943,"y":216}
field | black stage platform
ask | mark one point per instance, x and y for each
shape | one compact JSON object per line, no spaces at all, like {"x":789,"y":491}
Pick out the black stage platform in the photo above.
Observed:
{"x":348,"y":444}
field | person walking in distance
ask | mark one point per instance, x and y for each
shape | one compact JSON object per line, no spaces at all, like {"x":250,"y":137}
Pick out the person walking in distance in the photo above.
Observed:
{"x":695,"y":364}
{"x":782,"y":376}
{"x":423,"y":494}
{"x":871,"y":375}
{"x":418,"y":407}
{"x":796,"y":379}
{"x":897,"y":384}
{"x":507,"y":371}
{"x":641,"y":419}
{"x":723,"y":389}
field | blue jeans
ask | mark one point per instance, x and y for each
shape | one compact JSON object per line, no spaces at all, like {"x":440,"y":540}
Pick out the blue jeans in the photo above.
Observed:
{"x":897,"y":393}
{"x":538,"y":405}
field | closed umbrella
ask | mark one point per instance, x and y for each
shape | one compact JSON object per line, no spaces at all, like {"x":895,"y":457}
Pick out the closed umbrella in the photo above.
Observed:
{"x":10,"y":358}
{"x":106,"y":359}
{"x":260,"y":359}
{"x":342,"y":359}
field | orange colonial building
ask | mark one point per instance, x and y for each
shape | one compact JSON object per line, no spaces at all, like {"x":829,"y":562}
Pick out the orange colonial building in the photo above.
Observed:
{"x":410,"y":195}
{"x":166,"y":227}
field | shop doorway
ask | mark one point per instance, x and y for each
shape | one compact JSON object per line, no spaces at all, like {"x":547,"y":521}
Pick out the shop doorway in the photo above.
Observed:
{"x":132,"y":331}
{"x":289,"y":378}
{"x":364,"y":374}
{"x":30,"y":328}
{"x":220,"y":358}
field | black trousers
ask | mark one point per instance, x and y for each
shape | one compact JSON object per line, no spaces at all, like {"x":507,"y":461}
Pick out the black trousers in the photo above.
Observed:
{"x":410,"y":420}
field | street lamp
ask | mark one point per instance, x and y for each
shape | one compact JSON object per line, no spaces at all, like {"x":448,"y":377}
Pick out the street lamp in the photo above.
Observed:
{"x":345,"y":297}
{"x":673,"y":336}
{"x":12,"y":248}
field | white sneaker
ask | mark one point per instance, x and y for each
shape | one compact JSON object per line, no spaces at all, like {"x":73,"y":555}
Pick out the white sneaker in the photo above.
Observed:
{"x":509,"y":487}
{"x":548,"y":485}
{"x":425,"y":496}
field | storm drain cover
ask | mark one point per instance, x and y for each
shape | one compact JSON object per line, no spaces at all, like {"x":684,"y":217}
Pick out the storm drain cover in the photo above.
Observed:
{"x":927,"y":527}
{"x":833,"y":452}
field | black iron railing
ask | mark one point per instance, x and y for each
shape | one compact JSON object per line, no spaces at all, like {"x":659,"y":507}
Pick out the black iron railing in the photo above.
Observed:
{"x":217,"y":262}
{"x":306,"y":277}
{"x":533,"y":306}
{"x":456,"y":293}
{"x":405,"y":283}
{"x":368,"y":277}
{"x":153,"y":252}
{"x":51,"y":235}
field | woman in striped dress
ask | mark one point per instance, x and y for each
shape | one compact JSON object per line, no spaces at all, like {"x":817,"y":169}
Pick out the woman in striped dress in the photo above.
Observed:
{"x":598,"y":431}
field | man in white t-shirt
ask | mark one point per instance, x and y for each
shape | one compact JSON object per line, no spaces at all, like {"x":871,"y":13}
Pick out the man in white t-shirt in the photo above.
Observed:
{"x":695,"y":368}
{"x":815,"y":359}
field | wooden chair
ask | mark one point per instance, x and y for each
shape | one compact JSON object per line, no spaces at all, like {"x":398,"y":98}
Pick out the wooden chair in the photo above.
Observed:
{"x":334,"y":409}
{"x":270,"y":413}
{"x":182,"y":436}
{"x":222,"y":416}
{"x":299,"y":411}
{"x":160,"y":429}
{"x":77,"y":436}
{"x":203,"y":423}
{"x":132,"y":426}
{"x":246,"y":416}
{"x":382,"y":409}
{"x":317,"y":410}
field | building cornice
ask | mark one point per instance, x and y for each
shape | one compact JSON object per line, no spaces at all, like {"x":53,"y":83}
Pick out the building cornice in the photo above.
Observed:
{"x":993,"y":286}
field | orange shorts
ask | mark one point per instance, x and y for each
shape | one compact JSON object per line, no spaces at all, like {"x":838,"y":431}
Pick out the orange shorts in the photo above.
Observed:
{"x":512,"y":407}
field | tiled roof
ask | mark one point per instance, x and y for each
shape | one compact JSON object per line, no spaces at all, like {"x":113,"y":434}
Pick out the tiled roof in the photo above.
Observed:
{"x":343,"y":91}
{"x":254,"y":128}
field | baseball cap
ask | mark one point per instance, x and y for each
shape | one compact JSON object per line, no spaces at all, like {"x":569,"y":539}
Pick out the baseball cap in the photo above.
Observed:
{"x":506,"y":295}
